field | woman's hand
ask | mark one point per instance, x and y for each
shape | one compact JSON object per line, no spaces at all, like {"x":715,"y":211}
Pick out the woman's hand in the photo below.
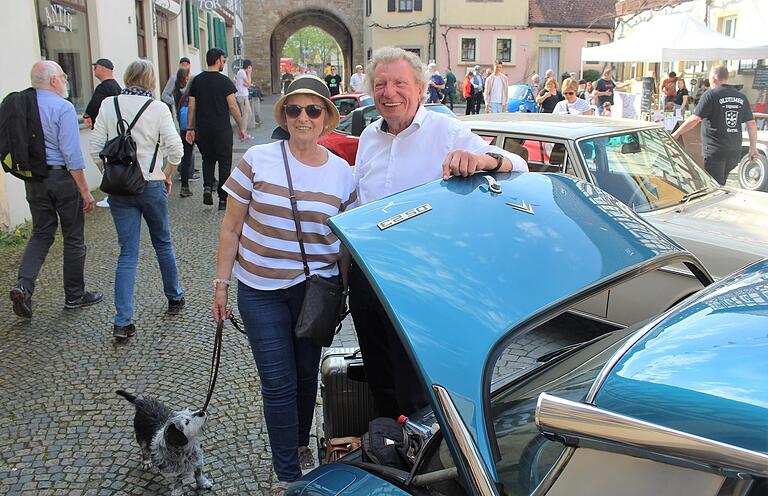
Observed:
{"x":220,"y":311}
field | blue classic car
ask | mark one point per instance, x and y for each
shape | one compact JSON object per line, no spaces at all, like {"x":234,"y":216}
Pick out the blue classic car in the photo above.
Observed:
{"x":485,"y":270}
{"x":520,"y":98}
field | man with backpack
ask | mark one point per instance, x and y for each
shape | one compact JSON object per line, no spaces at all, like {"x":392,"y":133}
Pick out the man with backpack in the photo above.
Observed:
{"x":56,"y":190}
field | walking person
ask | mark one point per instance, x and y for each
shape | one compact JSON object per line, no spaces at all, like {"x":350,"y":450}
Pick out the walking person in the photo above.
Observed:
{"x":242,"y":96}
{"x":721,"y":111}
{"x":357,"y":81}
{"x":333,"y":80}
{"x":157,"y":141}
{"x":549,"y":96}
{"x":478,"y":83}
{"x":450,"y":88}
{"x":407,"y":147}
{"x":211,"y":101}
{"x":468,"y":92}
{"x":259,"y":244}
{"x":436,"y":84}
{"x":572,"y":104}
{"x":181,"y":100}
{"x":167,"y":94}
{"x":496,"y":91}
{"x":62,"y":197}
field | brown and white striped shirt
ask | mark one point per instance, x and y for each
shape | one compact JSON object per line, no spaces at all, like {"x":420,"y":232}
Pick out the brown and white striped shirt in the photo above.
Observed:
{"x":268,"y":256}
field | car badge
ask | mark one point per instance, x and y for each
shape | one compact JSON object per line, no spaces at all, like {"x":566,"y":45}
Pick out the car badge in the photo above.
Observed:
{"x":408,"y":214}
{"x":493,"y":186}
{"x":523,"y":207}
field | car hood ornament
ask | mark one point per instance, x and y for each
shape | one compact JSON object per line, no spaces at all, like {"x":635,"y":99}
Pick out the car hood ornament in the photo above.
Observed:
{"x":523,"y":206}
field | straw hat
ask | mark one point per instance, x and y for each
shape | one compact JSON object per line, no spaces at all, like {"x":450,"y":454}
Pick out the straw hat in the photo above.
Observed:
{"x":308,"y":85}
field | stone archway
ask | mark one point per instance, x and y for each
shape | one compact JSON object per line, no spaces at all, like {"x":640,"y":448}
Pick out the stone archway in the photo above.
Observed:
{"x":268,"y":28}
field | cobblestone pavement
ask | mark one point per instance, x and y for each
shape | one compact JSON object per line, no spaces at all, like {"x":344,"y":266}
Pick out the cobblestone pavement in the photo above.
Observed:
{"x":63,"y":429}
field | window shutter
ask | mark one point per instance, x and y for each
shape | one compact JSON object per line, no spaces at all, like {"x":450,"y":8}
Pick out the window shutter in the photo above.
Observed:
{"x":417,"y":5}
{"x":196,"y":25}
{"x":220,"y":29}
{"x":188,"y":11}
{"x":391,"y":6}
{"x":211,"y":34}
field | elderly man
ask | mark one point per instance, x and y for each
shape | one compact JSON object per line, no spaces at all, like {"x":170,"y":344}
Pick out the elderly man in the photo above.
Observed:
{"x":535,"y":84}
{"x":723,"y":109}
{"x":408,"y":147}
{"x":496,"y":91}
{"x":357,"y":81}
{"x":62,"y":197}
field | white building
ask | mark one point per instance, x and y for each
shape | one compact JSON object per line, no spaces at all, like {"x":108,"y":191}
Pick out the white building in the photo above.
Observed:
{"x":75,"y":33}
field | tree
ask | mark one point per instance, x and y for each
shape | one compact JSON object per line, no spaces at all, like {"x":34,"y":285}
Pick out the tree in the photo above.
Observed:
{"x":310,"y":45}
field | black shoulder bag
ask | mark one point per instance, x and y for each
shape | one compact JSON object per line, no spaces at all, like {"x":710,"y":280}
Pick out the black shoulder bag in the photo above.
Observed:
{"x":122,"y":172}
{"x":324,"y":298}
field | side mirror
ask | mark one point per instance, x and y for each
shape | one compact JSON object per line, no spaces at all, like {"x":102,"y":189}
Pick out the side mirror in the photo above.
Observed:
{"x":631,"y":147}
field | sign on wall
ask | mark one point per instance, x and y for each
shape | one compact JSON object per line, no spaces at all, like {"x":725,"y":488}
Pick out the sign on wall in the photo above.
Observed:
{"x":58,"y":18}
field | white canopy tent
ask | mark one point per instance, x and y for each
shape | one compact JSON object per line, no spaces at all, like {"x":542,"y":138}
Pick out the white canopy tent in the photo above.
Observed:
{"x":675,"y":37}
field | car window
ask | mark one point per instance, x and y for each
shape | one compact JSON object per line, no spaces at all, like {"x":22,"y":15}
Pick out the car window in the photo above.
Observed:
{"x":366,"y":100}
{"x":345,"y":124}
{"x":370,"y":115}
{"x":518,"y":92}
{"x":345,"y":105}
{"x":568,"y":372}
{"x":542,"y":156}
{"x":644,"y":169}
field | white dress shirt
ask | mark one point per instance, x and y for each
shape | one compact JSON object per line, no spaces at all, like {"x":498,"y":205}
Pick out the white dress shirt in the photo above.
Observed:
{"x":388,"y":163}
{"x":357,"y":83}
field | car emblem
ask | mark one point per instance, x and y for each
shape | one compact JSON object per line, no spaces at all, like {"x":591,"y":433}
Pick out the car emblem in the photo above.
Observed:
{"x":523,"y":207}
{"x":408,"y":214}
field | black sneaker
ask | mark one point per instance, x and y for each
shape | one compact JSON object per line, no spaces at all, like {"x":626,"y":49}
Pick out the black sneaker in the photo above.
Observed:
{"x":185,"y":192}
{"x":222,"y":204}
{"x":207,"y":196}
{"x":22,"y":302}
{"x":123,"y":332}
{"x":88,"y":298}
{"x":175,"y":306}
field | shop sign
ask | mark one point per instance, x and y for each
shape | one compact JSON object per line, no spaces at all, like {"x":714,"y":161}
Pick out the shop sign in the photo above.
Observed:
{"x":58,"y":18}
{"x":210,"y":4}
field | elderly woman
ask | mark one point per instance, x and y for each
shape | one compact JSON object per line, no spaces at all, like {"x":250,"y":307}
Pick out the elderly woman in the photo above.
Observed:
{"x":549,"y":96}
{"x":572,"y":104}
{"x":157,"y":142}
{"x":258,"y":242}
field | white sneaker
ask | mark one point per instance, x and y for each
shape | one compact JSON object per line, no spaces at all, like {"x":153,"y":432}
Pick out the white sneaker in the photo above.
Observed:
{"x":103,"y":203}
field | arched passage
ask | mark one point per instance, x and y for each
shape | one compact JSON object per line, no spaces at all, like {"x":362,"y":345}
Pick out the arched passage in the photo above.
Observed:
{"x":291,"y":23}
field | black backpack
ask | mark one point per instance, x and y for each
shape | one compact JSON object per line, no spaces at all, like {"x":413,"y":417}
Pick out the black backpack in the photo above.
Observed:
{"x":122,"y":172}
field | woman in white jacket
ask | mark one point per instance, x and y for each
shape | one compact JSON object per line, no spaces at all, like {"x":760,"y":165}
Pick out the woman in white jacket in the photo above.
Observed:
{"x":154,"y":128}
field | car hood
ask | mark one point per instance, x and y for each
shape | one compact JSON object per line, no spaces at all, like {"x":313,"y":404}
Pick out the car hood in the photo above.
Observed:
{"x":726,"y":230}
{"x":466,"y":266}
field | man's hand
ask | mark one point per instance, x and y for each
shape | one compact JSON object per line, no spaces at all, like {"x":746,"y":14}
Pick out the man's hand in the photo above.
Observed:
{"x":754,"y":154}
{"x":461,"y":163}
{"x":189,"y":136}
{"x":88,"y":202}
{"x":88,"y":121}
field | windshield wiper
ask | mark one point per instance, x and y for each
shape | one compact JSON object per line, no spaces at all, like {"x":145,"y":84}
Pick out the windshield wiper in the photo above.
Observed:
{"x":693,"y":194}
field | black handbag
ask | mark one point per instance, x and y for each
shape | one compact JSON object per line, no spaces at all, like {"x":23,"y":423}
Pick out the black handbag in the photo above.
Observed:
{"x":324,"y":298}
{"x":122,"y":173}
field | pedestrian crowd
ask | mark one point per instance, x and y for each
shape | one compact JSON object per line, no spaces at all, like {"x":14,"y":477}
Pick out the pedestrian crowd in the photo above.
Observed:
{"x":274,"y":238}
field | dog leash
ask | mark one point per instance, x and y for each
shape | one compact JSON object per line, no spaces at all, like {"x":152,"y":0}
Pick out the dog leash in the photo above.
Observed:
{"x":216,"y":359}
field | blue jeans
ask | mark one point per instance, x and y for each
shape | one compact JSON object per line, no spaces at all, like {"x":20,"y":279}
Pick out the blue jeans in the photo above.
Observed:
{"x":127,"y":212}
{"x":497,"y":108}
{"x":287,"y":368}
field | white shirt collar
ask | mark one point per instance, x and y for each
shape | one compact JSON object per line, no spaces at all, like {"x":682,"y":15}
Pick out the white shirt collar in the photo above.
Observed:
{"x":418,"y":120}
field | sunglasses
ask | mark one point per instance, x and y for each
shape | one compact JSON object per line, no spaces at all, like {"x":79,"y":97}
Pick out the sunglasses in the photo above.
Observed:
{"x":313,"y":111}
{"x":569,"y":93}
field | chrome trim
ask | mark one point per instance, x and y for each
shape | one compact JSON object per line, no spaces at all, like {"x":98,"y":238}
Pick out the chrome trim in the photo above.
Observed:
{"x":480,"y":478}
{"x":675,"y":270}
{"x":597,"y":318}
{"x":579,"y":424}
{"x":554,"y":473}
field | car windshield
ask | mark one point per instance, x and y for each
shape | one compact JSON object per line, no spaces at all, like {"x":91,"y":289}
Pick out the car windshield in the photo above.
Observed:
{"x":644,"y":169}
{"x":518,"y":92}
{"x":366,"y":100}
{"x":440,"y":108}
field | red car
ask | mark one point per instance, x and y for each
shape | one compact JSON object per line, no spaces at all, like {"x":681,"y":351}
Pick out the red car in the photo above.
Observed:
{"x":347,"y":102}
{"x":344,"y":139}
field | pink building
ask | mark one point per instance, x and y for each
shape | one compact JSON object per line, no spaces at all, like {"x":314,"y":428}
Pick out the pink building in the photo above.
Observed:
{"x":552,"y":38}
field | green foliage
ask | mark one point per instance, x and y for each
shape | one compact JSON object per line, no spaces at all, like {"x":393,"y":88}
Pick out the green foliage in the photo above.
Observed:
{"x":591,"y":75}
{"x":311,"y":45}
{"x":18,"y":236}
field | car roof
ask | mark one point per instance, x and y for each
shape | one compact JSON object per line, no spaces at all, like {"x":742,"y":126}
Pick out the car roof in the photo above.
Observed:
{"x":564,"y":126}
{"x":704,"y":368}
{"x":467,"y":266}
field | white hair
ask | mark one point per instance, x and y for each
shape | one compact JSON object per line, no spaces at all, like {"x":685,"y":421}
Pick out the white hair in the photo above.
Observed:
{"x":42,"y":72}
{"x":392,"y":54}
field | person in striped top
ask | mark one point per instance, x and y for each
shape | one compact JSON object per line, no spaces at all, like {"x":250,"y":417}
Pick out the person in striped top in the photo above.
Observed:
{"x":258,"y":243}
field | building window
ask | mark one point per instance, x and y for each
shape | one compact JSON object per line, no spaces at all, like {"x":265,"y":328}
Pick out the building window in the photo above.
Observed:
{"x":591,"y":44}
{"x":549,"y":38}
{"x":504,"y":50}
{"x":193,"y":21}
{"x":399,"y":5}
{"x":749,"y":66}
{"x":220,"y":35}
{"x":728,"y":26}
{"x":405,"y":5}
{"x":63,"y":31}
{"x":468,"y":51}
{"x":141,"y":33}
{"x":414,"y":50}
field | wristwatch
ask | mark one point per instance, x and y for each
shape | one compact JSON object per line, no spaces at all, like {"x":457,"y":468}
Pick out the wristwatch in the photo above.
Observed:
{"x":499,"y":161}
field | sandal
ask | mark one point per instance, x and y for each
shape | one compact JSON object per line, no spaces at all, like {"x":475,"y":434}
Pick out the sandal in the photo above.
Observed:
{"x":306,"y":458}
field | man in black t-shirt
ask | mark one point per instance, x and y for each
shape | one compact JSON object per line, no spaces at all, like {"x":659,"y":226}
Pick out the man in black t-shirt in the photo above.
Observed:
{"x":102,"y":69}
{"x":722,"y":110}
{"x":211,"y":100}
{"x":333,"y":80}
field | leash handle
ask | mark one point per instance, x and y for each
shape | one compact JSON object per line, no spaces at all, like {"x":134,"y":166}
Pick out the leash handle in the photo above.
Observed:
{"x":216,"y":358}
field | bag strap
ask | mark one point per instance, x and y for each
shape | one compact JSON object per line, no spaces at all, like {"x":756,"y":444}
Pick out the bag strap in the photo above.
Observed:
{"x":154,"y":155}
{"x":138,"y":114}
{"x":294,"y":208}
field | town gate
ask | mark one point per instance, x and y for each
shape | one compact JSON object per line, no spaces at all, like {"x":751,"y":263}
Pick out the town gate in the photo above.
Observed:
{"x":269,"y":24}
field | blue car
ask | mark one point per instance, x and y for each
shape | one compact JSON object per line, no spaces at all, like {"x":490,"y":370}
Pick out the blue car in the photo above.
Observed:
{"x":521,"y":99}
{"x":480,"y":277}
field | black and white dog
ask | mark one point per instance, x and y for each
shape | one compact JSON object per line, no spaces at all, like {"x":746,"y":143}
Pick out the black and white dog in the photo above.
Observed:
{"x":169,"y":440}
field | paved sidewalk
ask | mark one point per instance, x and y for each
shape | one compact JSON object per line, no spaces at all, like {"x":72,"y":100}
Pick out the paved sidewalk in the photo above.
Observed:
{"x":62,"y":428}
